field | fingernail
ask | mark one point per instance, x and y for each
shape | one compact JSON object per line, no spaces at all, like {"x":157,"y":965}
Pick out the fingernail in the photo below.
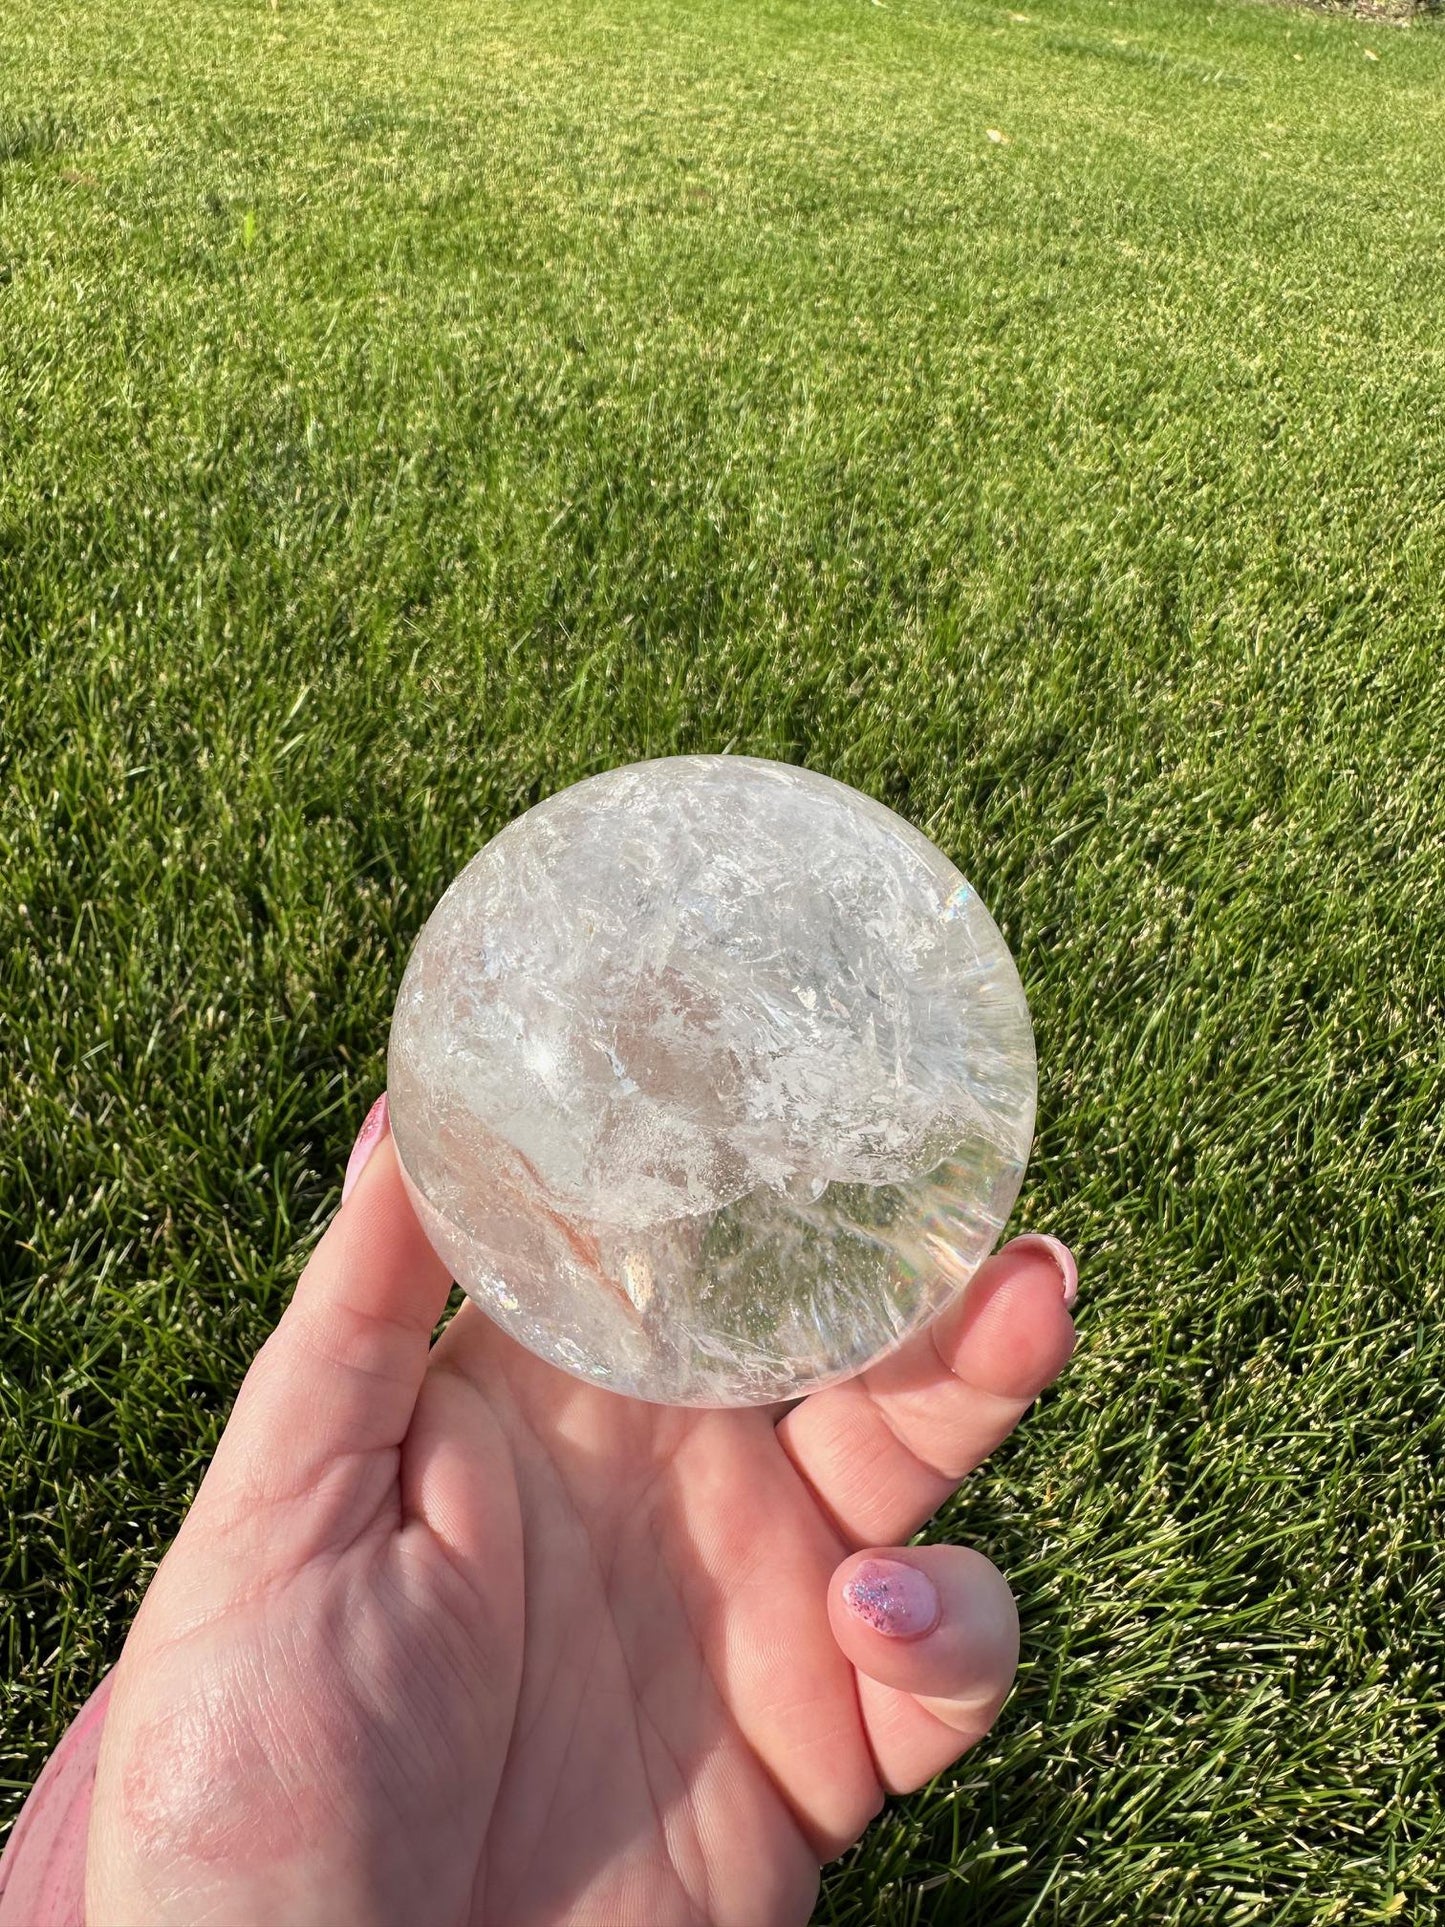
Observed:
{"x":893,"y":1598}
{"x":372,"y":1131}
{"x":1062,"y":1257}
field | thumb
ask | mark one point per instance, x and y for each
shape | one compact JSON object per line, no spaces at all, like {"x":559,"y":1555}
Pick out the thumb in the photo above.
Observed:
{"x":339,"y":1376}
{"x":934,"y":1636}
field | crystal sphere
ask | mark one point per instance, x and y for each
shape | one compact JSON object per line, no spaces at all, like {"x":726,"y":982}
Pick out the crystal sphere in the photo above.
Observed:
{"x":711,"y":1079}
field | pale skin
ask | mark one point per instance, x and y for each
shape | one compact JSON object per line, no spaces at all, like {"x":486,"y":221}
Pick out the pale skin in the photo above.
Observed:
{"x":450,"y":1638}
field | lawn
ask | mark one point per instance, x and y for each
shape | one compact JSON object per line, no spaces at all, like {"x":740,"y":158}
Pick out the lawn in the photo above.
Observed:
{"x":1034,"y":416}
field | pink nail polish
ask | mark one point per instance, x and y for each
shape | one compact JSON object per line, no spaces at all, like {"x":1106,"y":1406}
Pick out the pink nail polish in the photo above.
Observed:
{"x":893,"y":1598}
{"x":42,"y":1870}
{"x":1062,"y":1257}
{"x":373,"y":1129}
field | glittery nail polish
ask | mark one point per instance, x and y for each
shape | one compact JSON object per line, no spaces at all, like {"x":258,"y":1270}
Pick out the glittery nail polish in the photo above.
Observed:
{"x":893,"y":1598}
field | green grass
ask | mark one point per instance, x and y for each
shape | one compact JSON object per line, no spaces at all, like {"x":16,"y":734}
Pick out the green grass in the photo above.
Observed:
{"x":406,"y":410}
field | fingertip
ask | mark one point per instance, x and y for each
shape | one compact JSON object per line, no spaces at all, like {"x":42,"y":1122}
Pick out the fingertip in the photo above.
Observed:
{"x":935,"y":1621}
{"x":1043,"y":1242}
{"x":1011,"y":1333}
{"x":375,"y":1255}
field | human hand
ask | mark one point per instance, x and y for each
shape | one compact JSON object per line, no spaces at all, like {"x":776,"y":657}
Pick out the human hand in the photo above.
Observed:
{"x":450,"y":1638}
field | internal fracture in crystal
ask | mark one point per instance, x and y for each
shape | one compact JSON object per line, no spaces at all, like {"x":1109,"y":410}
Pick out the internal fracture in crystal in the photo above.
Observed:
{"x":711,"y":1079}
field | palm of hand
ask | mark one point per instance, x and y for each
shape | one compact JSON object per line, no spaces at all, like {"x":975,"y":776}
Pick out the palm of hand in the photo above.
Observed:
{"x":454,"y":1639}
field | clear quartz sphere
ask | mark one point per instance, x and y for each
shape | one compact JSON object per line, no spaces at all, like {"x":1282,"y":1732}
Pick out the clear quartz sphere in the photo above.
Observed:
{"x":711,"y":1079}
